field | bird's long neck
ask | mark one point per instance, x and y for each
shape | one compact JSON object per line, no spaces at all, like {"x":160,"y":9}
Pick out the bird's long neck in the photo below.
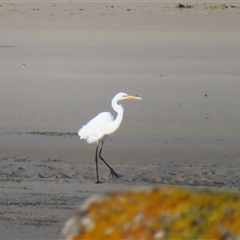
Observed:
{"x":119,"y":109}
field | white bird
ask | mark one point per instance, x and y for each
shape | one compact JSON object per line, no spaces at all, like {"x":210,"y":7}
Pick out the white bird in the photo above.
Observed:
{"x":98,"y":129}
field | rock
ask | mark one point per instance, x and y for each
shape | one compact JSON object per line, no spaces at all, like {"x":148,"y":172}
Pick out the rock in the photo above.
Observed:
{"x":160,"y":213}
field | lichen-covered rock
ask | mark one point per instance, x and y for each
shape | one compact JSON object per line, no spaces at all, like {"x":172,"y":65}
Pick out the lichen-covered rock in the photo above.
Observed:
{"x":162,"y":213}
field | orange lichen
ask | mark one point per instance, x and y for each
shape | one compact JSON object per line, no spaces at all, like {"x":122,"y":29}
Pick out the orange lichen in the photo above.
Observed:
{"x":167,"y":213}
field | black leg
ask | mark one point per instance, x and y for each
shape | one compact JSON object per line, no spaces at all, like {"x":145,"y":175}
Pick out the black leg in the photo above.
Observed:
{"x":96,"y":160}
{"x":112,"y":174}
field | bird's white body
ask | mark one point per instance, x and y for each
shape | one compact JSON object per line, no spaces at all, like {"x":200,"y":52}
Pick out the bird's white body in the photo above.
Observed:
{"x":97,"y":129}
{"x":103,"y":124}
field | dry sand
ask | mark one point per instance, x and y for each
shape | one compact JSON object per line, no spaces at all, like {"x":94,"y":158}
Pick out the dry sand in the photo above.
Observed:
{"x":61,"y":63}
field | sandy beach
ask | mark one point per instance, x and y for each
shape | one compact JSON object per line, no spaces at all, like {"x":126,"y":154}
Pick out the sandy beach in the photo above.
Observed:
{"x":62,"y":62}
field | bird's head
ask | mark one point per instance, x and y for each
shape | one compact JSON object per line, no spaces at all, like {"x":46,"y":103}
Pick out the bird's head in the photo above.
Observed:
{"x":123,"y":96}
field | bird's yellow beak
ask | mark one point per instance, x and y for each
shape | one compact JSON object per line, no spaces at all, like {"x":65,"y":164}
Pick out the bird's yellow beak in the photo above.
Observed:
{"x":133,"y":97}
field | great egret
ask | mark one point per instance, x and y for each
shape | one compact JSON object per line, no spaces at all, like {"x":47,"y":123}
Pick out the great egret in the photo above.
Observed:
{"x":98,"y":129}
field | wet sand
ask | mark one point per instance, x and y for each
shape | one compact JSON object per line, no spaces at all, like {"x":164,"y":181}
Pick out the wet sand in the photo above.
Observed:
{"x":61,"y":63}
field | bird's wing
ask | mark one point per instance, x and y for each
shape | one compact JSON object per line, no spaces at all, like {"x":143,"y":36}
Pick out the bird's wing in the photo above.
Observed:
{"x":95,"y":129}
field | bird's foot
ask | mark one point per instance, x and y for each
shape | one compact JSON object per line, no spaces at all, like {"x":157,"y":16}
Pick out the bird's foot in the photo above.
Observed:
{"x":97,"y":182}
{"x":114,"y":175}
